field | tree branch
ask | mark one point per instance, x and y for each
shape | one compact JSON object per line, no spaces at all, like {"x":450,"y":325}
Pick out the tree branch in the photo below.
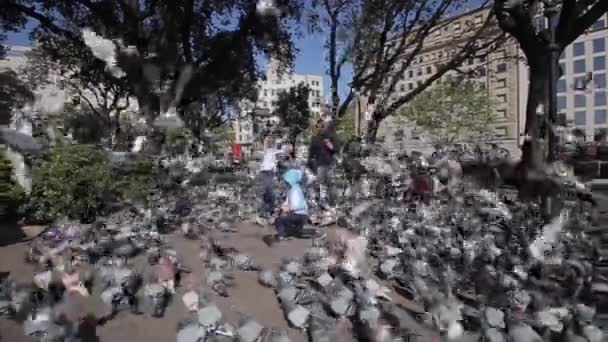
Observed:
{"x":582,"y":23}
{"x":44,"y":21}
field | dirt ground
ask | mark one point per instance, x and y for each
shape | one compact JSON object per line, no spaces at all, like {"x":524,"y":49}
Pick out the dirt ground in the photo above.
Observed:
{"x":247,"y":298}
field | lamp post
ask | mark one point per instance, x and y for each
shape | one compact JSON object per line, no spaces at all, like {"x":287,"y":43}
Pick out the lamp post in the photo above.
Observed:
{"x":551,"y":12}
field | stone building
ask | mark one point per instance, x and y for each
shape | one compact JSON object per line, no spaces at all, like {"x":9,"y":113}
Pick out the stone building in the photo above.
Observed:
{"x":503,"y":75}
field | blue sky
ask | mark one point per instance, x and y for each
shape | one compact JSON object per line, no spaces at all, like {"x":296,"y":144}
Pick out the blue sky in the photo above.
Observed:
{"x":310,"y":59}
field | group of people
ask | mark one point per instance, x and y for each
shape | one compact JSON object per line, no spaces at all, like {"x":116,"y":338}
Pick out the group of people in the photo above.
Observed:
{"x":313,"y":177}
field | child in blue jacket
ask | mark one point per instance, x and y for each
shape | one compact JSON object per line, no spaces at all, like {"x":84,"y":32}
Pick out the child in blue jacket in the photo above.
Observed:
{"x":294,"y":212}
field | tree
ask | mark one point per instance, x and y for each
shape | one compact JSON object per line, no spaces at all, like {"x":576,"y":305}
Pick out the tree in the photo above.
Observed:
{"x":102,"y":97}
{"x":381,"y":40}
{"x":347,"y":125}
{"x":172,"y":53}
{"x":292,"y":107}
{"x":14,"y":93}
{"x":516,"y":17}
{"x":452,"y":111}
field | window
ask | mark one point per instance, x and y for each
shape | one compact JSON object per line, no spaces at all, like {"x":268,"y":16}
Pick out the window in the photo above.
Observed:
{"x":599,"y":63}
{"x":470,"y":61}
{"x":598,"y":25}
{"x":578,"y":49}
{"x":580,"y":101}
{"x":562,"y":66}
{"x":561,"y":103}
{"x":580,"y":118}
{"x":429,"y":69}
{"x":410,"y":86}
{"x":502,"y":67}
{"x":482,"y":59}
{"x":561,"y":86}
{"x":500,"y":132}
{"x":579,"y":66}
{"x":600,"y":134}
{"x":411,"y":73}
{"x":265,"y":92}
{"x":272,"y":92}
{"x":600,"y":117}
{"x":501,"y":113}
{"x":419,"y":72}
{"x":402,"y":88}
{"x":318,"y":93}
{"x":599,"y":98}
{"x":502,"y":98}
{"x":600,"y":81}
{"x":481,"y":72}
{"x":599,"y":45}
{"x":502,"y":83}
{"x":540,"y":23}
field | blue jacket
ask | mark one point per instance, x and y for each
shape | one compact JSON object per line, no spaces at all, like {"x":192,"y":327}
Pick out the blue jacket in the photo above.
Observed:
{"x":296,"y":202}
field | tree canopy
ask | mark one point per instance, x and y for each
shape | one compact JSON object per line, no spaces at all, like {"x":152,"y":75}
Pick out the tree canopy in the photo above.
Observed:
{"x":381,"y":40}
{"x":293,"y":109}
{"x":14,"y":93}
{"x":452,"y":111}
{"x":172,"y":53}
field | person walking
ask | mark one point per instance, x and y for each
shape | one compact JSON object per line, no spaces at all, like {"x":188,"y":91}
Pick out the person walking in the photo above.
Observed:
{"x":321,"y":155}
{"x":265,"y":181}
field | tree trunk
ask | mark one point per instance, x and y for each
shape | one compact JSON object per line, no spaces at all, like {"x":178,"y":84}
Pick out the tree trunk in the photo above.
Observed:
{"x":372,"y":128}
{"x":533,"y":146}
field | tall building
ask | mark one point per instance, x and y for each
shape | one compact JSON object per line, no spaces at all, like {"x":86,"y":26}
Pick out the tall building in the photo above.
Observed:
{"x":582,"y":91}
{"x":503,"y":75}
{"x":258,"y":117}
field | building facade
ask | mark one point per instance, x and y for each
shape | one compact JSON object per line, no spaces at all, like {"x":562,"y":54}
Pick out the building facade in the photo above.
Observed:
{"x":258,"y":117}
{"x":503,"y":75}
{"x":581,"y":91}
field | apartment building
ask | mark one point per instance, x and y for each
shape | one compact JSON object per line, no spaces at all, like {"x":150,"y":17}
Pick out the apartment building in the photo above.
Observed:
{"x":498,"y":74}
{"x":257,"y":117}
{"x":503,"y":75}
{"x":582,"y":92}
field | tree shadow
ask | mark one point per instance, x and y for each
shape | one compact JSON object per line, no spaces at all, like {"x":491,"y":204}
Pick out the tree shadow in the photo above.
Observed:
{"x":11,"y":233}
{"x":87,"y":331}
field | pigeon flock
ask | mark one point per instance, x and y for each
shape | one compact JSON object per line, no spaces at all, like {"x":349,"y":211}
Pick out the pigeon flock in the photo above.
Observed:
{"x":454,"y":261}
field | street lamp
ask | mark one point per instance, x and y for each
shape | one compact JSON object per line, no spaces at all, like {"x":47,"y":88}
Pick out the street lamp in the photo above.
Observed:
{"x":551,"y":12}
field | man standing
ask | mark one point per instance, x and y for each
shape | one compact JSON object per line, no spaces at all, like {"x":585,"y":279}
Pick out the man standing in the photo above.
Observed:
{"x":320,"y":160}
{"x":265,"y":181}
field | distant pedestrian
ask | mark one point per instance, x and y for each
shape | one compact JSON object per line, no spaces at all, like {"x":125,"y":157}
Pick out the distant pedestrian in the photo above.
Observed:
{"x":265,"y":181}
{"x":321,"y":157}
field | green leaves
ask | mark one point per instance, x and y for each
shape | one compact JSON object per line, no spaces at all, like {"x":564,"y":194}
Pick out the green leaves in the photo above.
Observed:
{"x":452,"y":111}
{"x":11,"y":194}
{"x":74,"y":181}
{"x":293,"y":109}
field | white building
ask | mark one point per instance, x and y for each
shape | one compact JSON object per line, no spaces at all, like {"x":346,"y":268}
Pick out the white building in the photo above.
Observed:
{"x":257,"y":118}
{"x":582,"y":92}
{"x":15,"y":57}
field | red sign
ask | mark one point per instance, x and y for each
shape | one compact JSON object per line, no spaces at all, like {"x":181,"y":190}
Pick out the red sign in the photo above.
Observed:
{"x":237,"y":152}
